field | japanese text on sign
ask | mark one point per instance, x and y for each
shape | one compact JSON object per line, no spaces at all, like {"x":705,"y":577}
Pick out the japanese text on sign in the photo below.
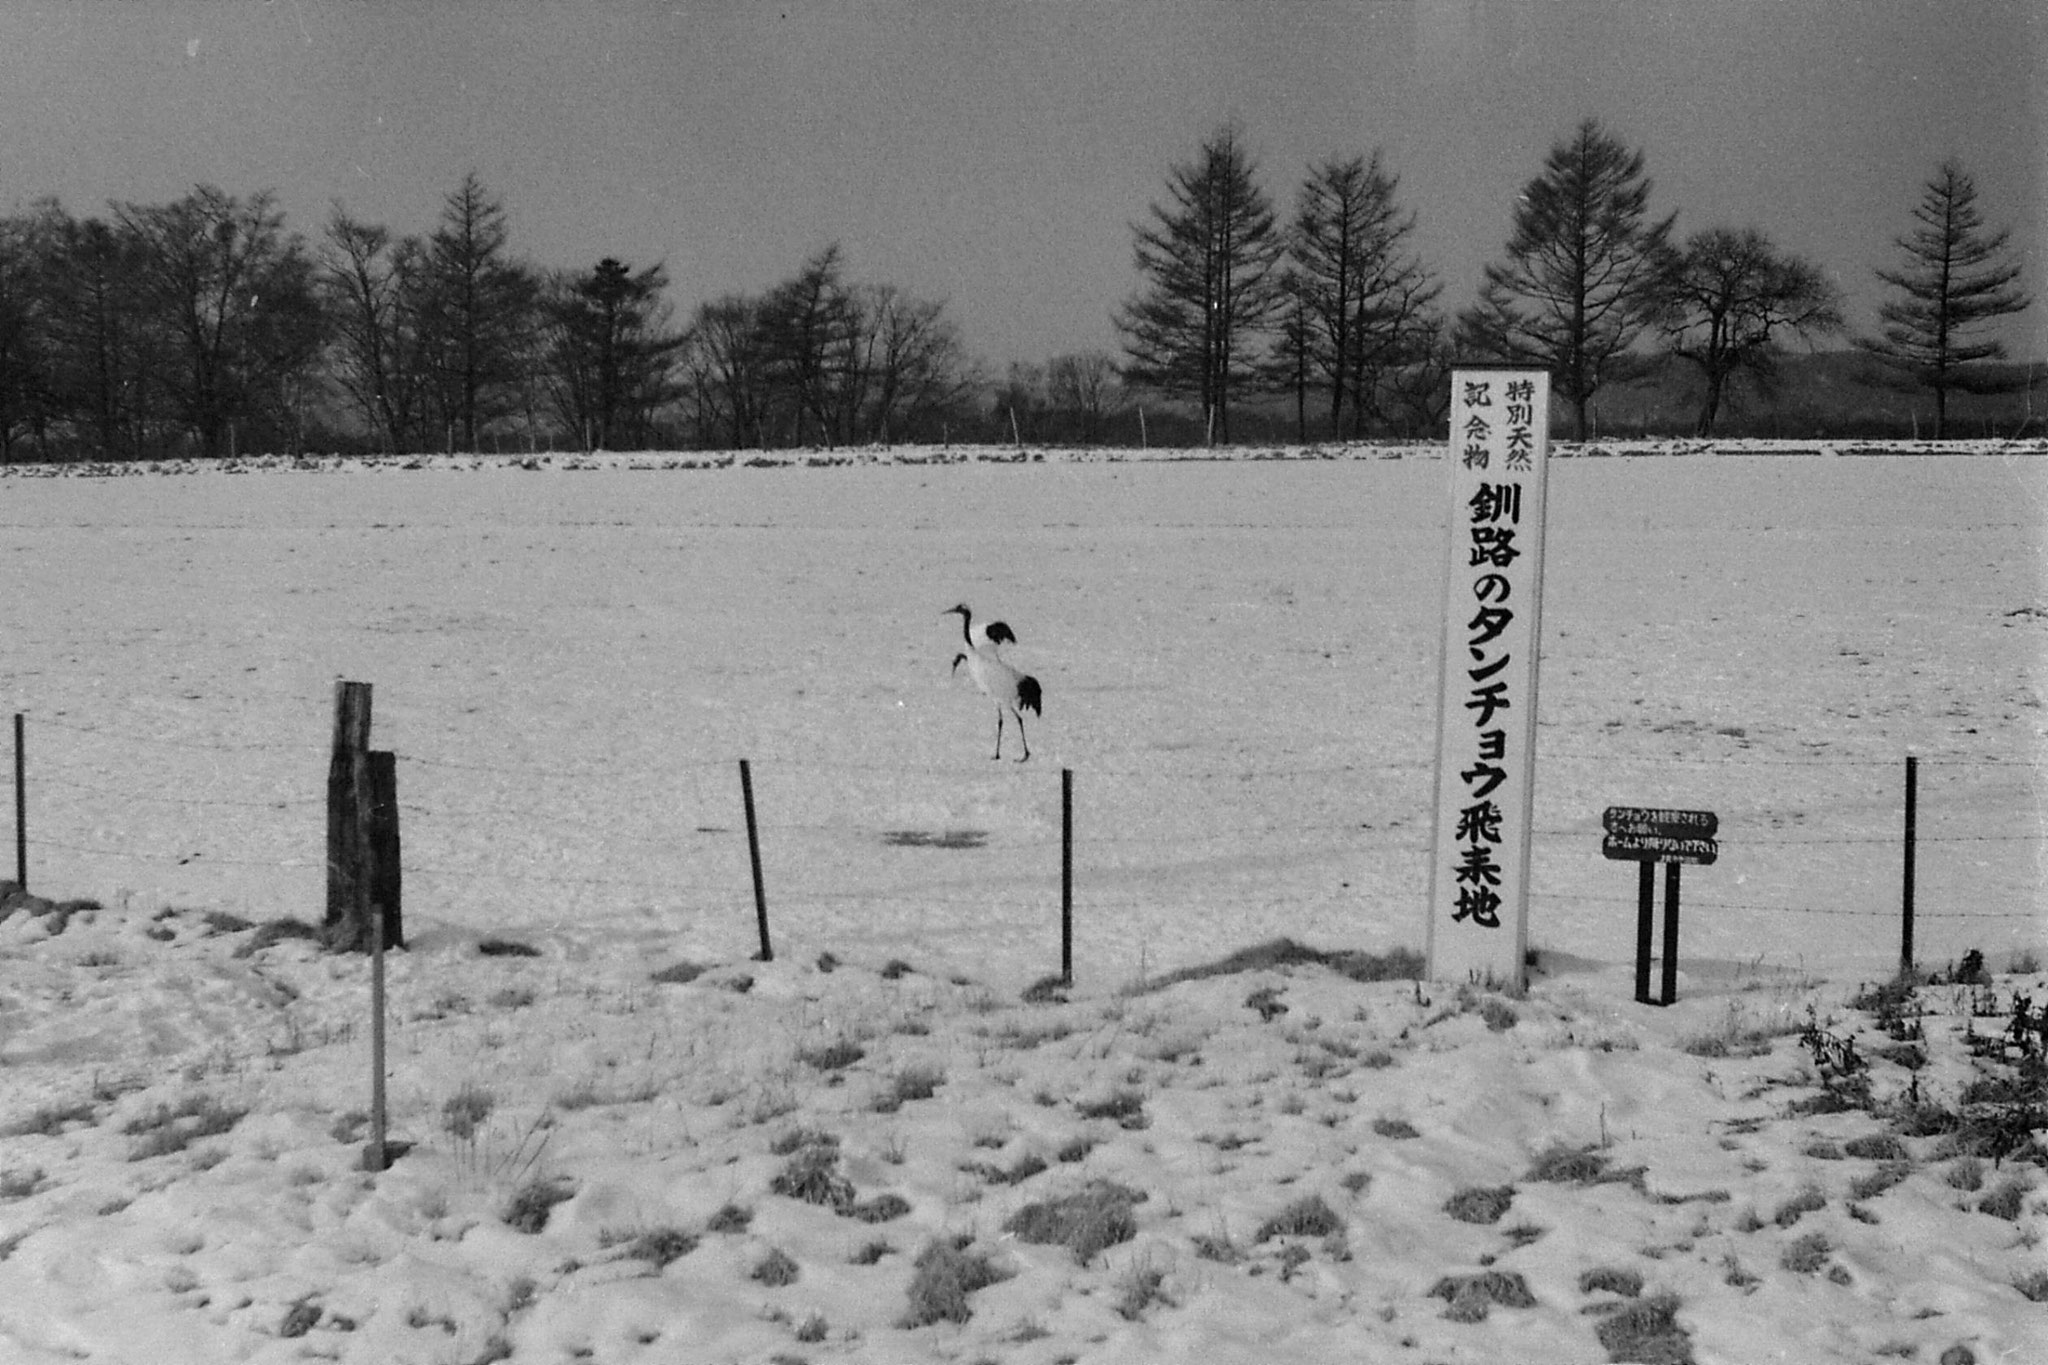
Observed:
{"x":1486,"y":730}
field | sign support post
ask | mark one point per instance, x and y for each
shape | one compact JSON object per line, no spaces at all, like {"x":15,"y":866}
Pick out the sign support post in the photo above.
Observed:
{"x":1499,"y":455}
{"x":1648,"y":837}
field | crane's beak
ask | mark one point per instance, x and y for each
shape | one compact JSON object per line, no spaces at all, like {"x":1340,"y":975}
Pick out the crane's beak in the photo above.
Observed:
{"x":958,"y":659}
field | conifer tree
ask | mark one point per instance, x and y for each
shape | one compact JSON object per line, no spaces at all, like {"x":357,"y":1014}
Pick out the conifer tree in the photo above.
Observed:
{"x":1957,"y":277}
{"x":1583,"y":272}
{"x":1208,"y":257}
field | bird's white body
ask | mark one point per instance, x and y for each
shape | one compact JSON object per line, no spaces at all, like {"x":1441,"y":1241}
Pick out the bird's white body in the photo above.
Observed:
{"x":1013,"y":691}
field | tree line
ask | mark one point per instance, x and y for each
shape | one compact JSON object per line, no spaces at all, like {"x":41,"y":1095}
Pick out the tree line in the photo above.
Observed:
{"x":1334,"y":306}
{"x":205,"y":326}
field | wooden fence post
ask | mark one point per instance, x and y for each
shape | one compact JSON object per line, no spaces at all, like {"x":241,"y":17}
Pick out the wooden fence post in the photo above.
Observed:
{"x":754,"y":856}
{"x":348,"y":808}
{"x":386,"y":881}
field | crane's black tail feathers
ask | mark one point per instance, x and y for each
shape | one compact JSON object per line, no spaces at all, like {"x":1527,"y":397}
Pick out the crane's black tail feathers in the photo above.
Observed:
{"x":1027,"y":695}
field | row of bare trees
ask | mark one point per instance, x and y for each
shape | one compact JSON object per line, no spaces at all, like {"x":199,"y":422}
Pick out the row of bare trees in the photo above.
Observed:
{"x":1335,"y":305}
{"x":205,"y":327}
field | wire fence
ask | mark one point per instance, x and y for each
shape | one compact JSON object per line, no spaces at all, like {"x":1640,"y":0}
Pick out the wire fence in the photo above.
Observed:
{"x":1176,"y":854}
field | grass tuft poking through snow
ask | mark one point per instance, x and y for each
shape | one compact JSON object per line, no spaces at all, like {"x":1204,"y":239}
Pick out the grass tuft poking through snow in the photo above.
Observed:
{"x":945,"y":1273}
{"x":1087,"y":1222}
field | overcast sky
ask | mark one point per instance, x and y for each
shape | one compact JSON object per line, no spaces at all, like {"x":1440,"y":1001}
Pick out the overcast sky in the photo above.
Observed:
{"x":995,"y":154}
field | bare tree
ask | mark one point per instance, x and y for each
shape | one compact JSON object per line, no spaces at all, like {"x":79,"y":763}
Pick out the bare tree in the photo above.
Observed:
{"x":1084,"y":383}
{"x":1584,"y":269}
{"x":235,"y":294}
{"x":912,"y":365}
{"x":371,"y":282}
{"x":1731,"y":299}
{"x":1209,"y":258}
{"x":727,"y":366}
{"x":1957,"y":277}
{"x":1366,"y":296}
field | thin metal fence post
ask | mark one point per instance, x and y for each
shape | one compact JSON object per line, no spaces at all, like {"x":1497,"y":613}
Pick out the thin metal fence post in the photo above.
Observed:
{"x":1906,"y":890}
{"x":20,"y":808}
{"x":754,"y":856}
{"x":1067,"y":875}
{"x":375,"y":1157}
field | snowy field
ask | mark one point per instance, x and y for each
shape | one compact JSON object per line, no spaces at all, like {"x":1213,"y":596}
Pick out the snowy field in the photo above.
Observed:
{"x":569,"y":657}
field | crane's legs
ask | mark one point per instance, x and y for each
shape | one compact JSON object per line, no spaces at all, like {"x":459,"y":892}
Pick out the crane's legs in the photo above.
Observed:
{"x":1001,"y":711}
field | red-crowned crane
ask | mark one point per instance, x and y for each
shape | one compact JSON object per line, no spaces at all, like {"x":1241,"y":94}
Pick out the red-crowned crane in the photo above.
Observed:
{"x":1013,"y":691}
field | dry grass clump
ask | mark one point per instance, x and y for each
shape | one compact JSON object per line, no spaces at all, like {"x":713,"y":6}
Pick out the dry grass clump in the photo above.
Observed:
{"x":1569,"y":1165}
{"x":812,"y":1175}
{"x":775,"y":1270}
{"x":1126,"y":1106}
{"x":659,"y":1246}
{"x":946,"y":1273}
{"x":168,"y":1129}
{"x":1808,"y":1255}
{"x":273,"y":932}
{"x":1401,"y":964}
{"x":1480,"y":1203}
{"x":533,"y":1202}
{"x":1087,"y":1222}
{"x":916,"y":1082}
{"x":1876,"y":1147}
{"x":883,"y":1208}
{"x":1397,"y":1129}
{"x":1308,"y":1216}
{"x":1140,"y":1288}
{"x":1645,"y":1332}
{"x":2005,"y":1199}
{"x":2033,"y":1286}
{"x":506,"y":947}
{"x":1879,"y":1180}
{"x":1612,"y":1279}
{"x":464,"y":1112}
{"x":1471,"y":1297}
{"x":1809,"y":1199}
{"x":680,"y":973}
{"x":49,"y":1120}
{"x":836,"y":1055}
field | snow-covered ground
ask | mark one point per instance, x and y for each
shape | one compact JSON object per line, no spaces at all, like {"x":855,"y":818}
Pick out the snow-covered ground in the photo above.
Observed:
{"x":569,"y":656}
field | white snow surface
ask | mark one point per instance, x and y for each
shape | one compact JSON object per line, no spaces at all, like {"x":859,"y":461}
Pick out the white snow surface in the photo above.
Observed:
{"x":569,"y":656}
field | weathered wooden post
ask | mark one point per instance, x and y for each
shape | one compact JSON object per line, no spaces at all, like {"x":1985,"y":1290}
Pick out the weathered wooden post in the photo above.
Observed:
{"x":386,"y":881}
{"x":348,"y":810}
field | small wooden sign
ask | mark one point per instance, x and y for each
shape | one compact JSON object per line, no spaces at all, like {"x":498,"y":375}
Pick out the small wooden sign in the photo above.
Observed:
{"x":1648,"y":835}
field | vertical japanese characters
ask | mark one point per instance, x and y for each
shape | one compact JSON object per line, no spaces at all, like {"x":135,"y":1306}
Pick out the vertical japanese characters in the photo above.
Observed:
{"x":1487,"y":729}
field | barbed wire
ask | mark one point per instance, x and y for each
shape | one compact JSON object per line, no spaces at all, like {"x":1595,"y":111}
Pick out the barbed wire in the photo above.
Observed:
{"x":690,"y":818}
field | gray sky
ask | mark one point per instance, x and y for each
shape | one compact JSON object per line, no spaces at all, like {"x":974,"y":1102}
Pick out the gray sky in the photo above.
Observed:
{"x":995,"y":154}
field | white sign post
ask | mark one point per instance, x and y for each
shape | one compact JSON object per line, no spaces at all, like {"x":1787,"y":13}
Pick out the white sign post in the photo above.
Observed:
{"x":1486,"y":697}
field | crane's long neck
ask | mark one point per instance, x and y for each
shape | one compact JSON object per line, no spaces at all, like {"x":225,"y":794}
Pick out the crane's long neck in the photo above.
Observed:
{"x":967,"y":627}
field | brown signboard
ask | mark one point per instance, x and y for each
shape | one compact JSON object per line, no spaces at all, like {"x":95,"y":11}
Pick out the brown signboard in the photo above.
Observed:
{"x":1654,"y":822}
{"x":1659,"y":848}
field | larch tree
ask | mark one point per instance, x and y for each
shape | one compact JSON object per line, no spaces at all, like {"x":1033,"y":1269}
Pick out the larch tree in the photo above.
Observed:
{"x":1583,"y":275}
{"x":1209,"y":256}
{"x":1732,"y":298}
{"x":1957,"y":277}
{"x":1366,"y":298}
{"x":474,"y":306}
{"x":611,"y":353}
{"x":809,"y":324}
